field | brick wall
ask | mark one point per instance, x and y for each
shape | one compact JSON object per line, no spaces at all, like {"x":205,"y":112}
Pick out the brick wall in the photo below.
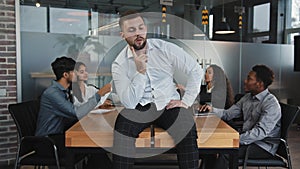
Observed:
{"x":8,"y":136}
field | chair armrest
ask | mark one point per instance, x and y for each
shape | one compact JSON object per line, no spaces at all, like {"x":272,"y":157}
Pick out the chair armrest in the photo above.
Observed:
{"x":268,"y":139}
{"x":37,"y":139}
{"x":37,"y":144}
{"x":276,"y":140}
{"x":30,"y":145}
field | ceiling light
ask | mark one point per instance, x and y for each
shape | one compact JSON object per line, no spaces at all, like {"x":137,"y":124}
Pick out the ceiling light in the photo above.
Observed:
{"x":108,"y":26}
{"x":164,"y":15}
{"x":224,"y":27}
{"x":68,"y":20}
{"x":199,"y":34}
{"x":78,"y":13}
{"x":38,"y":3}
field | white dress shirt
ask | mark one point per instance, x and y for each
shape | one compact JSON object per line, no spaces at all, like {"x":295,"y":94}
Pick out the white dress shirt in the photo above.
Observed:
{"x":90,"y":91}
{"x":157,"y":84}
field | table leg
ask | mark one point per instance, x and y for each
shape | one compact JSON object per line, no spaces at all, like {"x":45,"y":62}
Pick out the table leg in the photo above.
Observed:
{"x":152,"y":132}
{"x":70,"y":160}
{"x":234,"y":160}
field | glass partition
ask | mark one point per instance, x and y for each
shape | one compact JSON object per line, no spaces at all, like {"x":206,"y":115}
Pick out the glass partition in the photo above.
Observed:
{"x":93,"y":38}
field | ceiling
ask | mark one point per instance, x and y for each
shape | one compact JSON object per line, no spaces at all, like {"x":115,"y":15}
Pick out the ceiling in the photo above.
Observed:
{"x":115,"y":6}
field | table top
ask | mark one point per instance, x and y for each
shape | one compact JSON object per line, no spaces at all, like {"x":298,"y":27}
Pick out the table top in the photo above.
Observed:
{"x":96,"y":130}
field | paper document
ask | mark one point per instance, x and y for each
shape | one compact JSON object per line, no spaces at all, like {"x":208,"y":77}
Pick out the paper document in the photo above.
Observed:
{"x":102,"y":100}
{"x":100,"y":111}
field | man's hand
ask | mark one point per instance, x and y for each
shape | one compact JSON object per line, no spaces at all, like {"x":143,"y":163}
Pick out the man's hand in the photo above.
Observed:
{"x":107,"y":105}
{"x":180,"y":87}
{"x":105,"y":89}
{"x":176,"y":103}
{"x":205,"y":107}
{"x":140,"y":61}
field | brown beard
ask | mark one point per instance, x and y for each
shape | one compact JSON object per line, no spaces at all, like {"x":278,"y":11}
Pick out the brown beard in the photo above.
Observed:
{"x":135,"y":46}
{"x":141,"y":46}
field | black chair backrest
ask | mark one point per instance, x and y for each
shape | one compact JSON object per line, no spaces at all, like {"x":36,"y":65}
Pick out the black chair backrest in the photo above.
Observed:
{"x":25,"y":116}
{"x":288,"y":115}
{"x":238,"y":97}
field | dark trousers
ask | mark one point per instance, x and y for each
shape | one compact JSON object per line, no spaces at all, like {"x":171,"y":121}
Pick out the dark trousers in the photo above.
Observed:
{"x":94,"y":161}
{"x":220,"y":161}
{"x":178,"y":122}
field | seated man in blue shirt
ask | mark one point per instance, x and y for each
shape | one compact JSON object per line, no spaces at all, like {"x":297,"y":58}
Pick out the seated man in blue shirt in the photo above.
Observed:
{"x":56,"y":107}
{"x":261,"y":114}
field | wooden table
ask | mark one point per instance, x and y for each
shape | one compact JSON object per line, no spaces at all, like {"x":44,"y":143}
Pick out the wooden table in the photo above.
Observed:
{"x":95,"y":131}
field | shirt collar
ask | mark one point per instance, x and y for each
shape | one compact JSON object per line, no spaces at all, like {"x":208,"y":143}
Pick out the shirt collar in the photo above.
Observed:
{"x":209,"y":90}
{"x":129,"y":53}
{"x":261,"y":95}
{"x":58,"y":85}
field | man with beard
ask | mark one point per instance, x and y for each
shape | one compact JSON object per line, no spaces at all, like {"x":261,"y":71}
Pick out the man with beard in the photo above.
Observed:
{"x":143,"y":77}
{"x":57,"y":110}
{"x":261,"y":114}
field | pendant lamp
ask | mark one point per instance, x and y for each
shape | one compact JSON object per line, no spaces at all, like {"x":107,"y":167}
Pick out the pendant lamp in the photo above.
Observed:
{"x":224,"y":27}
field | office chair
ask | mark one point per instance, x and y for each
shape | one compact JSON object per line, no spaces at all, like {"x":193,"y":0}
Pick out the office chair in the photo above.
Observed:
{"x":282,"y":157}
{"x":30,"y":146}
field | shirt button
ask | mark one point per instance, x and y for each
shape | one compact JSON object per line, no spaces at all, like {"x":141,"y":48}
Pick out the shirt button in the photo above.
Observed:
{"x":152,"y":88}
{"x":152,"y":96}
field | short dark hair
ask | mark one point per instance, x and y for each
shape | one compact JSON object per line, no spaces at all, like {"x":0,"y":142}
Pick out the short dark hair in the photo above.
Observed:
{"x":62,"y":65}
{"x":264,"y":74}
{"x":130,"y":14}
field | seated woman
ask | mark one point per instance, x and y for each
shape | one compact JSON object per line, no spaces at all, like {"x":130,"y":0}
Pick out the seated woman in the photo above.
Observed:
{"x":217,"y":91}
{"x":81,"y":91}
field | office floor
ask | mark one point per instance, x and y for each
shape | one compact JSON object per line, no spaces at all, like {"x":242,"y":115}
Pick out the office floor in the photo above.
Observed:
{"x":294,"y":143}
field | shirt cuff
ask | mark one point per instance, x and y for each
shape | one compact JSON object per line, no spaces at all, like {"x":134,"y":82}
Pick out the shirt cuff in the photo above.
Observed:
{"x":243,"y":140}
{"x":219,"y":112}
{"x":187,"y":100}
{"x":98,"y":97}
{"x":139,"y":76}
{"x":184,"y":105}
